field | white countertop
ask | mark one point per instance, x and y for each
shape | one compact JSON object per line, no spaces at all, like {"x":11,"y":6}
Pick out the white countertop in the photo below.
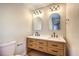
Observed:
{"x":46,"y":37}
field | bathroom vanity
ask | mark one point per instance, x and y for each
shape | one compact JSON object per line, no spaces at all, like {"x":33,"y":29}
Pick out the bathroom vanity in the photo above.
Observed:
{"x":52,"y":46}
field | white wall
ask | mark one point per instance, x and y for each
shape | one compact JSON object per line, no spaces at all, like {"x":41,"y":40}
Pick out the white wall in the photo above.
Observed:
{"x":15,"y":23}
{"x":72,"y":28}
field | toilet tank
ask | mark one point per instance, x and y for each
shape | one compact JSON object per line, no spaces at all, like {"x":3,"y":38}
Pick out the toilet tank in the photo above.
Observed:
{"x":7,"y":49}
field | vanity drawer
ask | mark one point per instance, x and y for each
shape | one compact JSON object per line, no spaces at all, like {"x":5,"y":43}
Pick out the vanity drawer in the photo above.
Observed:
{"x":59,"y":52}
{"x":32,"y":43}
{"x":31,"y":40}
{"x":42,"y":43}
{"x":32,"y":46}
{"x":55,"y":45}
{"x":42,"y":48}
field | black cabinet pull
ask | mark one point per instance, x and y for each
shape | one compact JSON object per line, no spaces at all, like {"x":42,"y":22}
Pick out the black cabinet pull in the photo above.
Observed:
{"x":54,"y":51}
{"x":31,"y":45}
{"x":40,"y":43}
{"x":54,"y":45}
{"x":41,"y":47}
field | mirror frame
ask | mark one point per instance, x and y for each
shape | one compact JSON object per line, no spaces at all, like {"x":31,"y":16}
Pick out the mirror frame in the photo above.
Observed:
{"x":54,"y":21}
{"x":35,"y":20}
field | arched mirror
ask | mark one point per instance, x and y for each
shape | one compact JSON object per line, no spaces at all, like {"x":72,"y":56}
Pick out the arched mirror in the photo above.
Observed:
{"x":37,"y":24}
{"x":54,"y":21}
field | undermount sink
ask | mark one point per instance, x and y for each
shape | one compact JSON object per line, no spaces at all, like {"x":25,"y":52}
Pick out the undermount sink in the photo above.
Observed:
{"x":59,"y":39}
{"x":47,"y":37}
{"x":39,"y":37}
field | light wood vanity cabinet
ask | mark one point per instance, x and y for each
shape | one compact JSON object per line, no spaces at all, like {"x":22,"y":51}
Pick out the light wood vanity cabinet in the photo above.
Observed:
{"x":50,"y":47}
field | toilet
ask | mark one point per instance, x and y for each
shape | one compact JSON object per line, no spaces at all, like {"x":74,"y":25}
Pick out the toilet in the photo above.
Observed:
{"x":7,"y":49}
{"x":21,"y":48}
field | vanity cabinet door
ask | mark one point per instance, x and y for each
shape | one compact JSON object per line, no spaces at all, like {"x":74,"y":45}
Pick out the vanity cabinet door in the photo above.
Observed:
{"x":32,"y":43}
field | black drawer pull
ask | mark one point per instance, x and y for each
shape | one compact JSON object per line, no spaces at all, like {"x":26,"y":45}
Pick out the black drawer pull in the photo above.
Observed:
{"x":55,"y":45}
{"x":54,"y":51}
{"x":31,"y":45}
{"x":40,"y":43}
{"x":41,"y":47}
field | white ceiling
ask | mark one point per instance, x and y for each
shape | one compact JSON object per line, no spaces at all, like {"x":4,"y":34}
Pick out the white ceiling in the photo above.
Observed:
{"x":33,"y":6}
{"x":30,"y":6}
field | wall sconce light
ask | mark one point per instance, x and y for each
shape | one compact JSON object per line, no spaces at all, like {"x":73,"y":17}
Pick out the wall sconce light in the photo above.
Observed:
{"x":51,"y":8}
{"x":37,"y":12}
{"x":40,"y":12}
{"x":54,"y":8}
{"x":34,"y":13}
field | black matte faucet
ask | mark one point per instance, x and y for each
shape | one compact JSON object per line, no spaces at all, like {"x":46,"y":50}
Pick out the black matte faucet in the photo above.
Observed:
{"x":54,"y":34}
{"x":37,"y":34}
